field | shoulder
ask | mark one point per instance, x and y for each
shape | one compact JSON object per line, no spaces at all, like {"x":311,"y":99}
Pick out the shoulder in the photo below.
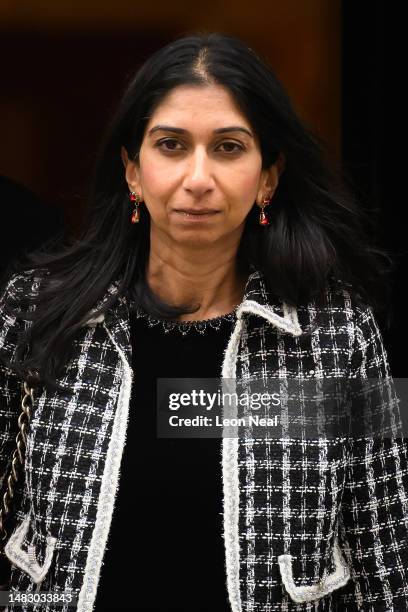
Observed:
{"x":17,"y":295}
{"x":340,"y":317}
{"x":339,"y":304}
{"x":20,"y":285}
{"x":16,"y":301}
{"x":338,"y":308}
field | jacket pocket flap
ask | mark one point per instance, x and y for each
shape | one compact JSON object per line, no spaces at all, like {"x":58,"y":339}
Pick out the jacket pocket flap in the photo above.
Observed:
{"x":326,"y":585}
{"x":23,"y":554}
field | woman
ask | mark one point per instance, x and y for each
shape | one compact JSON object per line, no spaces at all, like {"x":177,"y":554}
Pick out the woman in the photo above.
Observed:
{"x":218,"y":243}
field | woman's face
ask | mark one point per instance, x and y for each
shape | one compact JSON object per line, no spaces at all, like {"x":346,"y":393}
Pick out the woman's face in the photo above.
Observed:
{"x":199,"y":152}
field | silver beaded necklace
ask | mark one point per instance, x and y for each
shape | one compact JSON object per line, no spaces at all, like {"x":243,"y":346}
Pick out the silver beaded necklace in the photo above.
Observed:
{"x":185,"y":326}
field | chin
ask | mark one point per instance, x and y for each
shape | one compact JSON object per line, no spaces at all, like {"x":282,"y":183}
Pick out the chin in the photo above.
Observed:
{"x":196,"y":239}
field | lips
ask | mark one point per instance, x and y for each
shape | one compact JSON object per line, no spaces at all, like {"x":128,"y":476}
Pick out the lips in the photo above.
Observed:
{"x":196,"y":211}
{"x":197,"y":216}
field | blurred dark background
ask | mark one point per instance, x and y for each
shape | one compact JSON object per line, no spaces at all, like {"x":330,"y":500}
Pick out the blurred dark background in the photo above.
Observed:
{"x":64,"y":70}
{"x":373,"y":58}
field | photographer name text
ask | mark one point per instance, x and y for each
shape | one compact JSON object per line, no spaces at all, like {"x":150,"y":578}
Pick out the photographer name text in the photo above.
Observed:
{"x":217,"y":421}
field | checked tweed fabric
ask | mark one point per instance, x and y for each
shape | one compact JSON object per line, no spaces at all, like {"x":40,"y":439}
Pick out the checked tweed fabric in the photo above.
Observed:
{"x":309,"y":525}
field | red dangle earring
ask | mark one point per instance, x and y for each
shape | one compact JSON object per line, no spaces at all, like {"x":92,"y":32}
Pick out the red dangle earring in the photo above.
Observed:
{"x":263,"y":220}
{"x":136,"y":199}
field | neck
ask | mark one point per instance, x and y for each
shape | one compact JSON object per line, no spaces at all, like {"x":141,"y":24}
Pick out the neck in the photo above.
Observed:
{"x":206,"y":277}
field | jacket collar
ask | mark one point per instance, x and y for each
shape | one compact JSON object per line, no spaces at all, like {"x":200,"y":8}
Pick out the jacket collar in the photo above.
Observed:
{"x":115,"y":319}
{"x":260,"y":302}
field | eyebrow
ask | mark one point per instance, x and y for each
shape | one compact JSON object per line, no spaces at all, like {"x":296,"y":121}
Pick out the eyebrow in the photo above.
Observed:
{"x":230,"y":128}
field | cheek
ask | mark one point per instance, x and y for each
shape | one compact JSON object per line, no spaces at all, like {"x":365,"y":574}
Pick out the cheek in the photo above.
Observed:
{"x":249,"y":185}
{"x":246,"y":176}
{"x":245,"y":189}
{"x":153,"y":179}
{"x":155,"y":175}
{"x":158,"y":193}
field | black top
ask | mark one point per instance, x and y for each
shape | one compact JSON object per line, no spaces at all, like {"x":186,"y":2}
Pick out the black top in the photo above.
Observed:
{"x":165,"y":548}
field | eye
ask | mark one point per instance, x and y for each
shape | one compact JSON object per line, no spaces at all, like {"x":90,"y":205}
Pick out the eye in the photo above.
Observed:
{"x":234,"y":144}
{"x":165,"y":142}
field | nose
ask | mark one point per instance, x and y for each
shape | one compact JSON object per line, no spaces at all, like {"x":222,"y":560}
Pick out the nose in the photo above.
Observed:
{"x":198,"y":177}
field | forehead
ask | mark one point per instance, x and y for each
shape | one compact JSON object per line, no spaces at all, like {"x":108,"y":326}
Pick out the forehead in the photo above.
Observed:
{"x":212,"y":104}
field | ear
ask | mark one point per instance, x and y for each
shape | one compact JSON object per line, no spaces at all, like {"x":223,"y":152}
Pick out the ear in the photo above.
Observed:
{"x":131,"y":171}
{"x":280,"y":163}
{"x":124,"y":156}
{"x":270,"y":178}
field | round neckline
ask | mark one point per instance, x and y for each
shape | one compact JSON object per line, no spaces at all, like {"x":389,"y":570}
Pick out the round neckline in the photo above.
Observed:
{"x":199,"y":325}
{"x":227,"y":315}
{"x":211,"y":319}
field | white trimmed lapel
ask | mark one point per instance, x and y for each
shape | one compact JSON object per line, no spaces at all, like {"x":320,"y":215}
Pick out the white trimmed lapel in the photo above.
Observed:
{"x":259,"y":301}
{"x":288,"y":323}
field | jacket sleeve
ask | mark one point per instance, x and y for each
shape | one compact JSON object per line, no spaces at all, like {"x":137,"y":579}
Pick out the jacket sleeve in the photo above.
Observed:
{"x":374,"y":511}
{"x":10,"y":385}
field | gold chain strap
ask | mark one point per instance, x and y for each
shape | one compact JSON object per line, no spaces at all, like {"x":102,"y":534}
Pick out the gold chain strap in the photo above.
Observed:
{"x":17,"y":461}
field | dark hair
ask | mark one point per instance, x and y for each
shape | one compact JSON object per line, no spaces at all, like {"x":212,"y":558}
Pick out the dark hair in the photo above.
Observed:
{"x":317,"y":231}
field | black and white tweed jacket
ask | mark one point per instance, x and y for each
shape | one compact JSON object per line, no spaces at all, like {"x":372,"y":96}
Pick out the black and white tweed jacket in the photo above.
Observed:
{"x":308,"y":525}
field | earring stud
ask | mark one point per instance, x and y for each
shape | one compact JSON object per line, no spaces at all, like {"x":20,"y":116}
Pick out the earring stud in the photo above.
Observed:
{"x":263,"y":220}
{"x":135,"y":199}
